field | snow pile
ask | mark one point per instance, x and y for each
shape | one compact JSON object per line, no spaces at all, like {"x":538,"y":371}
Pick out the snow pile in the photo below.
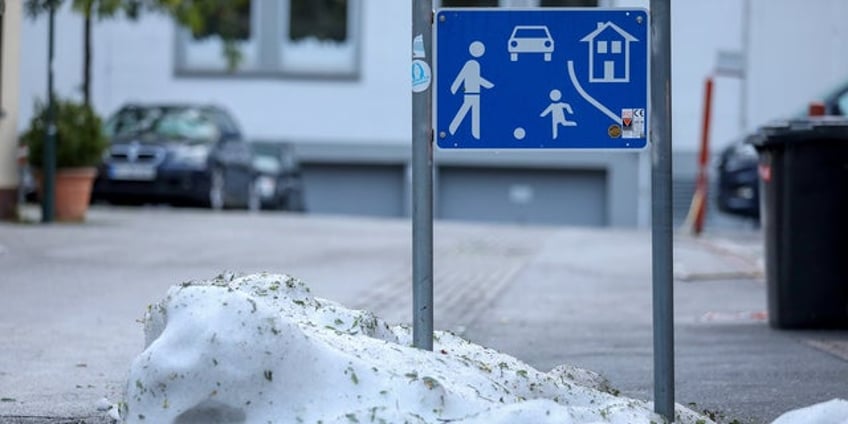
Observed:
{"x":260,"y":348}
{"x":831,"y":412}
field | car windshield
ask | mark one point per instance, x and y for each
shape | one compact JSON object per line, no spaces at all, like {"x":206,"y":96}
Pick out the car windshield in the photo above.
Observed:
{"x":530,"y":33}
{"x":183,"y":124}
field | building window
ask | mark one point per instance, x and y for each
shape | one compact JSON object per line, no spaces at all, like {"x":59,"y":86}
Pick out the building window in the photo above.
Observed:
{"x":602,"y":46}
{"x":317,"y":37}
{"x":469,"y":3}
{"x":278,"y":37}
{"x":204,"y":51}
{"x":569,"y":3}
{"x":518,"y":3}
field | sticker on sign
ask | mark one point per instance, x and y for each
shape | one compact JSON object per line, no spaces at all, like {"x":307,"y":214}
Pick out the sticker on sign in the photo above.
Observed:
{"x":633,"y":123}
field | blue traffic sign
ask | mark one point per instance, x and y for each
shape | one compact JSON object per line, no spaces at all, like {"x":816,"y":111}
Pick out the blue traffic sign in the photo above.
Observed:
{"x":541,"y":78}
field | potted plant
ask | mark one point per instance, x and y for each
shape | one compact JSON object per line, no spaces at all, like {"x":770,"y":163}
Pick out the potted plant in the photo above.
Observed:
{"x":80,"y":143}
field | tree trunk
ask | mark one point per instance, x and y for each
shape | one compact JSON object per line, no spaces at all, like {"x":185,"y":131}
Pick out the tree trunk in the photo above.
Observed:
{"x":86,"y":63}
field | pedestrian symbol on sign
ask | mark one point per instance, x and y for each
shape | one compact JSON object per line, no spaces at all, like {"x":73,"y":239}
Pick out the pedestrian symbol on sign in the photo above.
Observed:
{"x":472,"y":82}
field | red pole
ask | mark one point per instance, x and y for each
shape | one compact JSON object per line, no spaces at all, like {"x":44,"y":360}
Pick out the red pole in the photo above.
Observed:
{"x":703,"y":159}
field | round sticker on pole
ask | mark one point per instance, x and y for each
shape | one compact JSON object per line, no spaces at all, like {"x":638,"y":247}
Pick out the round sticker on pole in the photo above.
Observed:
{"x":421,"y":76}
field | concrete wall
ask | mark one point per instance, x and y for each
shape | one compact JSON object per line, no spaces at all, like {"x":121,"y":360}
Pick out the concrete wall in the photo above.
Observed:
{"x":799,"y":50}
{"x":9,"y":105}
{"x":355,"y":189}
{"x":614,"y":201}
{"x":523,"y":196}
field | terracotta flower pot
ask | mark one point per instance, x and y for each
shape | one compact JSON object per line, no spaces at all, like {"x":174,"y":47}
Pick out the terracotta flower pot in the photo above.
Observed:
{"x":73,"y":192}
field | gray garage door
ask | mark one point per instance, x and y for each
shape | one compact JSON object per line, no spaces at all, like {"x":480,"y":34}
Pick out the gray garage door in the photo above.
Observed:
{"x":374,"y":190}
{"x":532,"y":196}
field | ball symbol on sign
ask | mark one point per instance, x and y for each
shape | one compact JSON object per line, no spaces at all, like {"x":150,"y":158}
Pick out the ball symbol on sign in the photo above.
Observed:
{"x":519,"y":133}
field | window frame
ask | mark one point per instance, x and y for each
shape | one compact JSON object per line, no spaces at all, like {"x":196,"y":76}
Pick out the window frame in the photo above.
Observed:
{"x":268,"y":26}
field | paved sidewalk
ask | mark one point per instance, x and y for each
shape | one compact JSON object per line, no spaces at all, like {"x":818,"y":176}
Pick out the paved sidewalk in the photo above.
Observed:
{"x":598,"y":303}
{"x":71,"y":295}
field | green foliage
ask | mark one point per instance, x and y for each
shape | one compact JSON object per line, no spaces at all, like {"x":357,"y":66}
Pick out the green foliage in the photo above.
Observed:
{"x":35,"y":8}
{"x":227,"y":19}
{"x":80,"y":140}
{"x":89,"y":8}
{"x":203,"y":18}
{"x":101,"y":8}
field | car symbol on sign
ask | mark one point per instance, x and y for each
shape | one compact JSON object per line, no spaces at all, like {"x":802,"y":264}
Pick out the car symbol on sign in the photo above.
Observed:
{"x":530,"y":39}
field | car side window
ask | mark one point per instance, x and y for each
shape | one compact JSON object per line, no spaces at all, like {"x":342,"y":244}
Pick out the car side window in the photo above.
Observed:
{"x":226,"y":124}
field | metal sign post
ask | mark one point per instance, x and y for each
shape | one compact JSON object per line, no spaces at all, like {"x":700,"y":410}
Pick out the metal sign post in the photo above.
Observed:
{"x":662,"y":237}
{"x":49,"y":159}
{"x":422,"y":175}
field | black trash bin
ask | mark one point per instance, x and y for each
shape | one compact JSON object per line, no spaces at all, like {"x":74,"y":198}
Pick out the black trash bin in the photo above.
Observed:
{"x":803,"y":167}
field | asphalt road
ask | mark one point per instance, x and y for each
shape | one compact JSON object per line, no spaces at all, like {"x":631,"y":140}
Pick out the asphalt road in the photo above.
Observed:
{"x":71,"y":295}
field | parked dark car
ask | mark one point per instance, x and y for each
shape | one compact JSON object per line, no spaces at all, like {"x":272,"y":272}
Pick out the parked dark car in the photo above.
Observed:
{"x":738,"y":180}
{"x":186,"y":154}
{"x":280,"y":182}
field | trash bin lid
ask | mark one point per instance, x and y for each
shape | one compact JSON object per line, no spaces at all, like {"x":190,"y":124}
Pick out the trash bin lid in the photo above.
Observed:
{"x":800,"y":130}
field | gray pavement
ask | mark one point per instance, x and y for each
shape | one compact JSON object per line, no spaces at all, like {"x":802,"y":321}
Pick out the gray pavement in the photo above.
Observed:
{"x":71,"y":295}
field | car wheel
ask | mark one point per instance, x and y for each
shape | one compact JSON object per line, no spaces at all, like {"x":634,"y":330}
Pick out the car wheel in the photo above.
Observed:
{"x":254,"y":197}
{"x":216,"y":190}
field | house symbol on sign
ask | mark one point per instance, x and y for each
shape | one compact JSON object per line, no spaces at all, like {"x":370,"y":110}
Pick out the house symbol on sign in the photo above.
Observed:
{"x":609,"y":53}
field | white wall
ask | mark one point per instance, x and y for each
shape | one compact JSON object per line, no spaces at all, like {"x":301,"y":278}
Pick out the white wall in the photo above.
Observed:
{"x":9,"y":122}
{"x":700,"y":29}
{"x":33,"y":61}
{"x":798,"y":49}
{"x":135,"y":62}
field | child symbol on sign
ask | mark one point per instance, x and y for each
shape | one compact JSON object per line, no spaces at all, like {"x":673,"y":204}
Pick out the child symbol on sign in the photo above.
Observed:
{"x":557,"y":111}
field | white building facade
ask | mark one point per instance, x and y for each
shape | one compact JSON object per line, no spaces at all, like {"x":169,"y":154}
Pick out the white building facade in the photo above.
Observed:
{"x":10,"y":30}
{"x":345,"y":103}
